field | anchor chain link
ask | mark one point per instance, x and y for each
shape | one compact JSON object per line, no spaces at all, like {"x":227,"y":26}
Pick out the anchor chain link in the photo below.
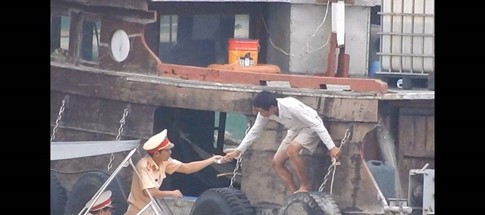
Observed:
{"x":59,"y":117}
{"x":118,"y":137}
{"x":238,"y":161}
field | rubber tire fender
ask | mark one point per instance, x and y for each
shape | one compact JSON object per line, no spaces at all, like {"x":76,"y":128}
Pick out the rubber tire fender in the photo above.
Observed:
{"x":311,"y":203}
{"x":88,"y":184}
{"x":222,"y":201}
{"x":58,"y":196}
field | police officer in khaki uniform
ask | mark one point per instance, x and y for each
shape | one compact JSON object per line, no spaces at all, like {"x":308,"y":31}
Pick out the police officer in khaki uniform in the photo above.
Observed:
{"x":151,"y":170}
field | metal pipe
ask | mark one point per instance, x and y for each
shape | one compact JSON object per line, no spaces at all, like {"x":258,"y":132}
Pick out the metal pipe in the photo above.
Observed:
{"x":424,"y":31}
{"x":401,"y":38}
{"x":381,"y":37}
{"x":405,"y":14}
{"x":424,"y":167}
{"x":403,"y":54}
{"x":412,"y":32}
{"x":391,"y":28}
{"x":407,"y":34}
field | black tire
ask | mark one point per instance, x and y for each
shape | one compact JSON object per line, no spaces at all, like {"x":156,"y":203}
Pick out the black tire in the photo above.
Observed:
{"x":311,"y":203}
{"x":222,"y":201}
{"x":58,"y":196}
{"x":85,"y":188}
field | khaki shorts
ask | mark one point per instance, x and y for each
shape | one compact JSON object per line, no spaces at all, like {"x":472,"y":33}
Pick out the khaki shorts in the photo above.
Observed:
{"x":306,"y":137}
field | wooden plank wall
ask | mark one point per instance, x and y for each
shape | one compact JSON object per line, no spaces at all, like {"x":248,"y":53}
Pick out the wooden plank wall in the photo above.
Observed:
{"x":416,"y":142}
{"x":86,"y":118}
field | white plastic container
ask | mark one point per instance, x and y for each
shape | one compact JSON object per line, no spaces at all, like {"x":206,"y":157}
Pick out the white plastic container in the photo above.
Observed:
{"x":407,"y":37}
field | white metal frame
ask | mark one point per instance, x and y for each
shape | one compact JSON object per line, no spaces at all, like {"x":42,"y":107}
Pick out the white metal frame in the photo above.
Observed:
{"x":60,"y":147}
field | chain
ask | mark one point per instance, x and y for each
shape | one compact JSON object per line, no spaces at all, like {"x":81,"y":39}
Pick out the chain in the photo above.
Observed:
{"x":238,"y":164}
{"x":334,"y":164}
{"x":118,"y":137}
{"x":122,"y":123}
{"x":59,"y":116}
{"x":238,"y":161}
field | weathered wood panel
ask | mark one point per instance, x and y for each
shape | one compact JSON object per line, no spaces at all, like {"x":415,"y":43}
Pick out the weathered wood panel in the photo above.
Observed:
{"x":101,"y":117}
{"x":313,"y":102}
{"x":94,"y":84}
{"x":129,"y":15}
{"x":416,"y":142}
{"x":356,"y":188}
{"x":414,"y":104}
{"x":80,"y":134}
{"x":140,"y":59}
{"x":357,"y":191}
{"x":353,"y":110}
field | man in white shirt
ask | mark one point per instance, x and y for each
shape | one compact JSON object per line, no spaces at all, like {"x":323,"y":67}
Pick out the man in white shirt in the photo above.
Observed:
{"x":305,"y":130}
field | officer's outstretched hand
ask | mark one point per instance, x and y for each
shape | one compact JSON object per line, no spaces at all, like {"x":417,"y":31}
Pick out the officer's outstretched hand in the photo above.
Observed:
{"x":219,"y":159}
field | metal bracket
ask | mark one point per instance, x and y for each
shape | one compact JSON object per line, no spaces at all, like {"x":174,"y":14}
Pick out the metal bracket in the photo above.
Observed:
{"x":397,"y":206}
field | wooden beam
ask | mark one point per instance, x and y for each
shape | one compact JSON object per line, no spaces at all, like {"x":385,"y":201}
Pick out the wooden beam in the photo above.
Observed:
{"x":296,"y":81}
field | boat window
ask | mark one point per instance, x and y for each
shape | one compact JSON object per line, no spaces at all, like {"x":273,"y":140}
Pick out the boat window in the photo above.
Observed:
{"x":90,"y":39}
{"x":241,"y":26}
{"x":235,"y":125}
{"x":60,"y":26}
{"x":168,"y":28}
{"x":196,"y":40}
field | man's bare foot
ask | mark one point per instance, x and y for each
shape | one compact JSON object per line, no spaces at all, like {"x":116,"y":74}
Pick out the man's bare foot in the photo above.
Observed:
{"x":301,"y":190}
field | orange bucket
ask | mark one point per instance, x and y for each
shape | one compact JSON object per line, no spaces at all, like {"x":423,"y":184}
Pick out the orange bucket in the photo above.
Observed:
{"x":242,"y":52}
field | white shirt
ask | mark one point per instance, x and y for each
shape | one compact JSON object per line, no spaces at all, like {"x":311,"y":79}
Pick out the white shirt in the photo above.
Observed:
{"x":294,"y":115}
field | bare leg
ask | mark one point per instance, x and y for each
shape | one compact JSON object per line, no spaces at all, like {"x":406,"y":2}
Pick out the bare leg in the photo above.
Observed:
{"x":284,"y":174}
{"x":299,"y":165}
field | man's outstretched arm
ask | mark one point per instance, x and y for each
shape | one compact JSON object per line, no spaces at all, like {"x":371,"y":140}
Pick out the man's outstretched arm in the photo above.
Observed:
{"x":196,"y":166}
